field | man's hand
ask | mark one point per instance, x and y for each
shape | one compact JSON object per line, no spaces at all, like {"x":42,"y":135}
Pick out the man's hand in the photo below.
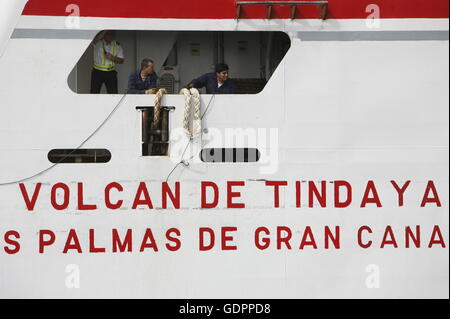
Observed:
{"x":190,"y":86}
{"x":113,"y":58}
{"x":109,"y":56}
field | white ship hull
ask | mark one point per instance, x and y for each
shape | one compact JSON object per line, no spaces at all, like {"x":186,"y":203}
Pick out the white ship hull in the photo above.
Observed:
{"x":347,"y":103}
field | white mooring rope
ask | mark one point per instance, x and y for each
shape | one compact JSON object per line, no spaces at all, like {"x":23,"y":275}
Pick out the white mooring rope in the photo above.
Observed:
{"x":157,"y":110}
{"x":192,"y":102}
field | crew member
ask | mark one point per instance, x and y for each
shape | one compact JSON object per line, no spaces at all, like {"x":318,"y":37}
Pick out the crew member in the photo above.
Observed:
{"x":143,"y":81}
{"x":215,"y":83}
{"x":107,"y":53}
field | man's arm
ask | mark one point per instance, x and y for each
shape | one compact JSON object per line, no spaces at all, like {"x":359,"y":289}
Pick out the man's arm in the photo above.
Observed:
{"x":99,"y":37}
{"x":119,"y":58}
{"x":115,"y":59}
{"x":154,"y":81}
{"x":198,"y":83}
{"x":132,"y":85}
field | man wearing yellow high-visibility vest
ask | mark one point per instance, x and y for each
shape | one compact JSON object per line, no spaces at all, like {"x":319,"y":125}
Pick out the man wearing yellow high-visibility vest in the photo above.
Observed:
{"x":107,"y":53}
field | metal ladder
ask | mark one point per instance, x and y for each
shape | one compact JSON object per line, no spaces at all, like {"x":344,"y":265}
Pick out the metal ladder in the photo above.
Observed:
{"x":323,"y":7}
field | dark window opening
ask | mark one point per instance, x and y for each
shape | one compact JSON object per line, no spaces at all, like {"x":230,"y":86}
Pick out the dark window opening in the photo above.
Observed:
{"x":182,"y":56}
{"x":155,"y":133}
{"x":79,"y":156}
{"x":230,"y":155}
{"x":250,"y":86}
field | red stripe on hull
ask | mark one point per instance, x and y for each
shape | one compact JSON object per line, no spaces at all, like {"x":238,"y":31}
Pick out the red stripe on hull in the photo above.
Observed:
{"x":226,"y":9}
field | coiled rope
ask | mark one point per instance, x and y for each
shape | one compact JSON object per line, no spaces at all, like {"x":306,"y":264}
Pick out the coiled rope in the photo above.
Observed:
{"x":192,"y":103}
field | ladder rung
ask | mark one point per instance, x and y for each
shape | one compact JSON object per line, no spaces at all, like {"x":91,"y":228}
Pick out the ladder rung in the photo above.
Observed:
{"x":293,"y":4}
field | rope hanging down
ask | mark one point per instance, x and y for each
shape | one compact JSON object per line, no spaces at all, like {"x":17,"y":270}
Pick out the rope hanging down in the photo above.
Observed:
{"x":183,"y":161}
{"x":157,"y":110}
{"x":192,"y":103}
{"x":106,"y":120}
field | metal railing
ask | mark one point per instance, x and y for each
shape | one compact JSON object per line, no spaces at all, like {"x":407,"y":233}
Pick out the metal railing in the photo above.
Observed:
{"x":293,"y":4}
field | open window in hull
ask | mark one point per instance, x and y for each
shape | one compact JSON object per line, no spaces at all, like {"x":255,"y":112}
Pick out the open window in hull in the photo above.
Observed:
{"x":79,"y":156}
{"x":155,"y":131}
{"x":179,"y":57}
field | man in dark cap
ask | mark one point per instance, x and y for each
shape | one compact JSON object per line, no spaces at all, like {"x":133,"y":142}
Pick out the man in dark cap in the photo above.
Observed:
{"x":215,"y":83}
